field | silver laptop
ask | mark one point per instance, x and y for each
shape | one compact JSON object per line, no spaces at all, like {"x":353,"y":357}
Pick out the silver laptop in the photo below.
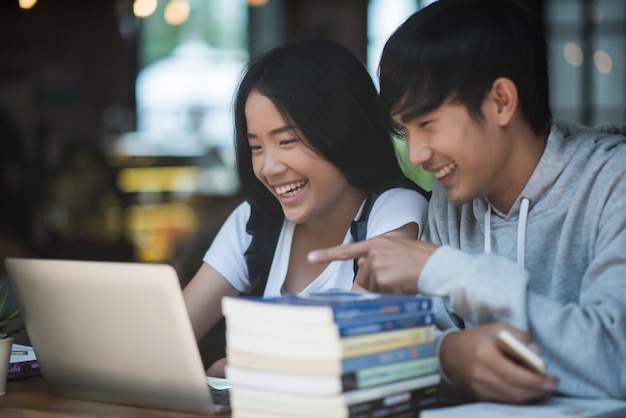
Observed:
{"x":112,"y":332}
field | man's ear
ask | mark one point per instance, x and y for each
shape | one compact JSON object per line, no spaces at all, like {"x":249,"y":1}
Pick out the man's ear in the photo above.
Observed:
{"x":503,"y":99}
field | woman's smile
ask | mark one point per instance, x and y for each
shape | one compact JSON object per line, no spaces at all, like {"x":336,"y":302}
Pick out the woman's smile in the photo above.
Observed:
{"x":291,"y":189}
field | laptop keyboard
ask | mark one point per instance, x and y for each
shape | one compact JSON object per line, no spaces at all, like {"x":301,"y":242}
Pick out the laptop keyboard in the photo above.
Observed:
{"x":220,"y":396}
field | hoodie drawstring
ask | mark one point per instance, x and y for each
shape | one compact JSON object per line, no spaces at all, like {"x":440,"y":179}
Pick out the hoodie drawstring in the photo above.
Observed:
{"x":521,"y":230}
{"x":488,"y":229}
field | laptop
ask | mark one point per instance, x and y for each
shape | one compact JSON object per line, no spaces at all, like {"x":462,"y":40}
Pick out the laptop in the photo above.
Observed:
{"x":112,"y":332}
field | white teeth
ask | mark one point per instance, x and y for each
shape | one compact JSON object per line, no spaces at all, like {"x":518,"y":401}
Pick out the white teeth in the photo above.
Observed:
{"x":444,"y":171}
{"x":290,"y":189}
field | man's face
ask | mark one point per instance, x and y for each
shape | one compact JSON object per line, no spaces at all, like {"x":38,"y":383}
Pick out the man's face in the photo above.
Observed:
{"x":468,"y":157}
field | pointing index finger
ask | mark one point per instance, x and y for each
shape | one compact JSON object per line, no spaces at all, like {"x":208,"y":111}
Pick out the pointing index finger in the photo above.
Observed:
{"x":340,"y":252}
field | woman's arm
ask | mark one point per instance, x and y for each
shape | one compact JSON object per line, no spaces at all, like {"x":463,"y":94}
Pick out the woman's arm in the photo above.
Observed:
{"x":203,"y":297}
{"x":410,"y":230}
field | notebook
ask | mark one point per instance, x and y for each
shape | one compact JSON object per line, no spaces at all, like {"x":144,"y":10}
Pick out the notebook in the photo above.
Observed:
{"x":112,"y":332}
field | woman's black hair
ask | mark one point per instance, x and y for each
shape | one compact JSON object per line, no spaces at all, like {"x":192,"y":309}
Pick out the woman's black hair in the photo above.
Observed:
{"x":456,"y":49}
{"x":326,"y":92}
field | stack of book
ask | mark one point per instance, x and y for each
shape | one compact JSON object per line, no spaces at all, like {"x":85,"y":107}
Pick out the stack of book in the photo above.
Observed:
{"x":335,"y":354}
{"x":23,"y":362}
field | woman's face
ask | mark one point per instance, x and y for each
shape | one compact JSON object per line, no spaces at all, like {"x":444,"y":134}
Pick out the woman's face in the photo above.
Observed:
{"x":306,"y":185}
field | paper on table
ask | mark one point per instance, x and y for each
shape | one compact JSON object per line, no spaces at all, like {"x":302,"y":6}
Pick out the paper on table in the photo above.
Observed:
{"x":553,"y":407}
{"x":218,"y":383}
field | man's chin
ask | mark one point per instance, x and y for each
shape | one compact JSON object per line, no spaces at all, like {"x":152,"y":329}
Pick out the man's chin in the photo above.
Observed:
{"x":456,"y":199}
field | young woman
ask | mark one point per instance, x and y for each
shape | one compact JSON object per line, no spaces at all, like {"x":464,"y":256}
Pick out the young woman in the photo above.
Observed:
{"x":311,"y":146}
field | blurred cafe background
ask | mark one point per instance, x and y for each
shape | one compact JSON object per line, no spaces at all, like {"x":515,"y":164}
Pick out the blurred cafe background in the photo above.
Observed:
{"x":115,"y":118}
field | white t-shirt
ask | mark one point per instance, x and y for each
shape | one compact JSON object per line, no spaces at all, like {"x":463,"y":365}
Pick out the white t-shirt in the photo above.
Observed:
{"x":393,"y":209}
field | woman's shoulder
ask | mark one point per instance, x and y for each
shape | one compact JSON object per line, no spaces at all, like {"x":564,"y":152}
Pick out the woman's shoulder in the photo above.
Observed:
{"x":241,"y":212}
{"x":400,"y":192}
{"x":237,"y":219}
{"x":400,"y":202}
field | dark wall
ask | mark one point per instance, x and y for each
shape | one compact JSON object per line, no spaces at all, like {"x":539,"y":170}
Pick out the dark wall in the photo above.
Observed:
{"x":344,"y":21}
{"x":76,"y":57}
{"x":279,"y":21}
{"x":67,"y":73}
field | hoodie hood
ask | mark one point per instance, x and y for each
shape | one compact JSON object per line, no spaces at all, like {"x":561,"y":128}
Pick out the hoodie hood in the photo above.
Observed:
{"x":556,"y":157}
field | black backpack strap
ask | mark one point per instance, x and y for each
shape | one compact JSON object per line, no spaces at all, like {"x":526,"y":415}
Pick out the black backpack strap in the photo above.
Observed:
{"x":265,"y":230}
{"x":358,"y":228}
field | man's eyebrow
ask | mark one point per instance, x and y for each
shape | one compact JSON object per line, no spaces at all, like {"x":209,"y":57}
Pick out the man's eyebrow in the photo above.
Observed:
{"x":276,"y":131}
{"x":409,"y":115}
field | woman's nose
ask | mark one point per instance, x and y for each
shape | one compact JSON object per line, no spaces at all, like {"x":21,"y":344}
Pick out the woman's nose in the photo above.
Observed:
{"x":272,"y":164}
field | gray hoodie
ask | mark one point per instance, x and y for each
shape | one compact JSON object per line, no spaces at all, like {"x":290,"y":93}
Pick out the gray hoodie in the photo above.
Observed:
{"x":554,"y":265}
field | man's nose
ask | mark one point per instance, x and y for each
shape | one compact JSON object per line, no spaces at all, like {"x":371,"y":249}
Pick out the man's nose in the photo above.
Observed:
{"x":419,"y":149}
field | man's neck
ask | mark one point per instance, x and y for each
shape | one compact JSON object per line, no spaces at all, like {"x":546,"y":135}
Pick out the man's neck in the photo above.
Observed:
{"x":527,"y":151}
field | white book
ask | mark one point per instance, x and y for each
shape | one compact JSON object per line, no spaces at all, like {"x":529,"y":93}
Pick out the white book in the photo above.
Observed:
{"x":240,"y":377}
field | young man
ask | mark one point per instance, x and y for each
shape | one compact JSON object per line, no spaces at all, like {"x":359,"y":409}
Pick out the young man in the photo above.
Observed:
{"x":527,"y":225}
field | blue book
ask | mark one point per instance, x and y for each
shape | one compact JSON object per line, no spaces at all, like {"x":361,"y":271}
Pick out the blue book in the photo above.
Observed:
{"x":387,"y":373}
{"x":329,"y":366}
{"x":370,"y":325}
{"x":328,"y":307}
{"x":386,"y":357}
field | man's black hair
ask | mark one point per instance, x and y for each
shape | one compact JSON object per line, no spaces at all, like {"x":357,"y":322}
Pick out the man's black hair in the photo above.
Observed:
{"x":456,"y":49}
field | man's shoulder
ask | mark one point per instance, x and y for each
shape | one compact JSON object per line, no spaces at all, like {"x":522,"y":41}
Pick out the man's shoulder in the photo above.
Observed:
{"x":594,"y":149}
{"x":613,"y":128}
{"x":598,"y":138}
{"x":607,"y":149}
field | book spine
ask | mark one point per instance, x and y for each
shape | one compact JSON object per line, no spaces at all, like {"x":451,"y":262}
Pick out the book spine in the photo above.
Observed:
{"x":409,"y":409}
{"x":398,"y":403}
{"x":362,"y":395}
{"x":384,"y":307}
{"x":389,"y":356}
{"x":388,"y":340}
{"x":369,"y":326}
{"x":379,"y":375}
{"x":29,"y":368}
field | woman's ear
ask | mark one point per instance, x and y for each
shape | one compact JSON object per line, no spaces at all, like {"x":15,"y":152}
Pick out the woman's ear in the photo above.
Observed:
{"x":503,"y":98}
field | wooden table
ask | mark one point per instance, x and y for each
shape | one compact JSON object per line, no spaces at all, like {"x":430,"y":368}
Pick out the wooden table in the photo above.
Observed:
{"x":32,"y":398}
